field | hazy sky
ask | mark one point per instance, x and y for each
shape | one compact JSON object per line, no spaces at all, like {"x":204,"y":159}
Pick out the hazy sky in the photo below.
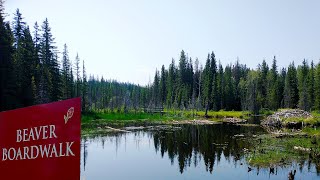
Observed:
{"x":128,"y":39}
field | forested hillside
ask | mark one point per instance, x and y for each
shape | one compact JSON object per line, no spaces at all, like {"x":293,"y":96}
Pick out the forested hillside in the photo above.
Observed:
{"x":33,"y":71}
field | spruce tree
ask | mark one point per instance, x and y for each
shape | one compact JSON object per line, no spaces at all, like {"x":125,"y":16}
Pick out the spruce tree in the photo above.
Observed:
{"x":229,"y":89}
{"x":253,"y":95}
{"x":84,"y":88}
{"x":207,"y":85}
{"x":302,"y":76}
{"x":220,"y":88}
{"x":27,"y":66}
{"x":37,"y":66}
{"x":317,"y":87}
{"x":78,"y":82}
{"x":50,"y":82}
{"x":171,"y":84}
{"x":311,"y":86}
{"x":163,"y":86}
{"x":65,"y":73}
{"x":263,"y":69}
{"x":273,"y":87}
{"x":8,"y":97}
{"x":214,"y":91}
{"x":18,"y":28}
{"x":291,"y":96}
{"x":156,"y":90}
{"x":236,"y":74}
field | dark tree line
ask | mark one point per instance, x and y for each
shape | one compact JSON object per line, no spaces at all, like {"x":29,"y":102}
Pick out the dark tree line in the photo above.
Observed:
{"x":31,"y":72}
{"x":236,"y":87}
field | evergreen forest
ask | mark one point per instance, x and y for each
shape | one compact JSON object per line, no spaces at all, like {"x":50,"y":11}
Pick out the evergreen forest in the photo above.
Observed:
{"x":34,"y":71}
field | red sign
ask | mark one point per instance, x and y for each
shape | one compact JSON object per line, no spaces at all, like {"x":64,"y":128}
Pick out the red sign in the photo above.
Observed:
{"x":41,"y":142}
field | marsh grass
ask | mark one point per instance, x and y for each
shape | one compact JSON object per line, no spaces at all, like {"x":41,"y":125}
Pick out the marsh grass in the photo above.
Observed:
{"x":280,"y":151}
{"x":307,"y":121}
{"x":167,"y":115}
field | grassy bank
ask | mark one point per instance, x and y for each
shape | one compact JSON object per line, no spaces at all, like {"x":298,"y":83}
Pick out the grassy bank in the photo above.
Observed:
{"x":270,"y":151}
{"x":96,"y":121}
{"x":93,"y":118}
{"x":311,"y":121}
{"x":167,"y":115}
{"x":101,"y":119}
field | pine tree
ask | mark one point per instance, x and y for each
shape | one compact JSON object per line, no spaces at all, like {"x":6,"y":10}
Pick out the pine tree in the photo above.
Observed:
{"x":50,"y":83}
{"x":18,"y":28}
{"x":197,"y":84}
{"x":291,"y":96}
{"x":171,"y":84}
{"x":252,"y":94}
{"x":163,"y":86}
{"x":214,"y":91}
{"x":8,"y":97}
{"x":56,"y":79}
{"x":262,"y":86}
{"x":273,"y":101}
{"x":207,"y":84}
{"x":311,"y":86}
{"x":302,"y":75}
{"x":71,"y":82}
{"x":228,"y":89}
{"x":65,"y":73}
{"x":220,"y":87}
{"x":236,"y":74}
{"x":182,"y":80}
{"x":78,"y":82}
{"x":84,"y":88}
{"x":281,"y":81}
{"x":28,"y":64}
{"x":36,"y":75}
{"x":156,"y":90}
{"x":317,"y":87}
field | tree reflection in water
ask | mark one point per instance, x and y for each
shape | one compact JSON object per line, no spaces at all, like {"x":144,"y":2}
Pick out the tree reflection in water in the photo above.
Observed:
{"x":203,"y":142}
{"x":191,"y":145}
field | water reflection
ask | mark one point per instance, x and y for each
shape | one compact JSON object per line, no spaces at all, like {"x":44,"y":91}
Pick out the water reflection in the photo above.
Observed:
{"x":191,"y":150}
{"x":207,"y":142}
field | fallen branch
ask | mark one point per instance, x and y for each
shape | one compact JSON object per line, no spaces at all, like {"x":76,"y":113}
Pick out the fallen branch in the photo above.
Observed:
{"x":114,"y":129}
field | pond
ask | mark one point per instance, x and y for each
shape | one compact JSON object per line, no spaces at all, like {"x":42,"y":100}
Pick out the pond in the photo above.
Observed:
{"x":180,"y":152}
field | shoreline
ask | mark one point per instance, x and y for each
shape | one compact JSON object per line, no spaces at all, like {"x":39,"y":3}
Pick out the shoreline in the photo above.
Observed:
{"x":270,"y":149}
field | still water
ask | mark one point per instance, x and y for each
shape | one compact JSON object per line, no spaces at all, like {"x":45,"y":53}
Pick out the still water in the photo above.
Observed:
{"x":183,"y":152}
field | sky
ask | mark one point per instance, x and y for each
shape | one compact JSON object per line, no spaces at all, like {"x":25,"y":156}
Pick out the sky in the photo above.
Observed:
{"x":128,"y":40}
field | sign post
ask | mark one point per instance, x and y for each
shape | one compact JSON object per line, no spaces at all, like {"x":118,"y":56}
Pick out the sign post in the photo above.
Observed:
{"x":41,"y":142}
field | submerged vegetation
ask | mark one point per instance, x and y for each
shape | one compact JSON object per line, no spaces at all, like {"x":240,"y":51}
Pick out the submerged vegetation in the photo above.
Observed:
{"x":272,"y":151}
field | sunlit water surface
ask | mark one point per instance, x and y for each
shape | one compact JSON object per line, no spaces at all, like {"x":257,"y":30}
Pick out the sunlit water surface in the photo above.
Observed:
{"x":187,"y":152}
